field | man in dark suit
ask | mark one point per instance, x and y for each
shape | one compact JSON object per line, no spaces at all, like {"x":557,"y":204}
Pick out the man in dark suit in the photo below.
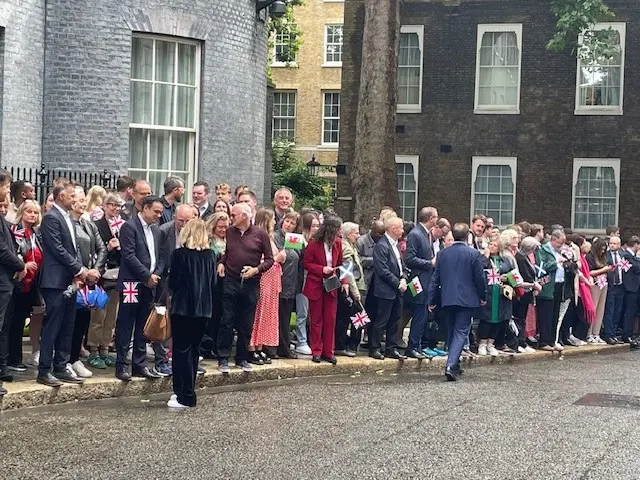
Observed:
{"x":200,"y":196}
{"x":419,"y":259}
{"x":631,"y":282}
{"x":141,"y":266}
{"x":460,"y":276}
{"x":11,"y":266}
{"x":389,"y":284}
{"x":62,"y":273}
{"x":615,"y":292}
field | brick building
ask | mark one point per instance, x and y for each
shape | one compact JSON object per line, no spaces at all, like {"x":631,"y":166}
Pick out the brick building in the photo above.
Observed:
{"x":145,"y":86}
{"x":490,"y":121}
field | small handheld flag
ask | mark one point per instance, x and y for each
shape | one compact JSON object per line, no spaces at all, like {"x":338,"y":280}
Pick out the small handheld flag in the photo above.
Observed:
{"x":493,"y":278}
{"x":625,"y":265}
{"x":360,"y":319}
{"x":130,"y":292}
{"x":346,"y":270}
{"x":601,"y":281}
{"x":540,"y":272}
{"x":294,"y":241}
{"x":415,"y":287}
{"x":514,"y":278}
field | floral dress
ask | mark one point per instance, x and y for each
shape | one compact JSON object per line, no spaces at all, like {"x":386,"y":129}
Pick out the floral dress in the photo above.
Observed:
{"x":265,"y":324}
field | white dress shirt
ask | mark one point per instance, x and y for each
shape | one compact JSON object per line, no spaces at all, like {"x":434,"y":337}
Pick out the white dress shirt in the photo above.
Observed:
{"x":151,"y":244}
{"x":327,"y":253}
{"x":396,"y":251}
{"x":618,"y":271}
{"x":67,"y":219}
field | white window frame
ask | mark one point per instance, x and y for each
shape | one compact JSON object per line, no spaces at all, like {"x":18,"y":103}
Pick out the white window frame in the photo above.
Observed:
{"x":276,"y":63}
{"x":192,"y":163}
{"x":322,"y":142}
{"x":621,"y":28}
{"x":594,"y":162}
{"x":295,"y":116}
{"x":326,"y":44}
{"x":476,"y":162}
{"x":415,"y":161}
{"x":413,"y":108}
{"x":498,"y":109}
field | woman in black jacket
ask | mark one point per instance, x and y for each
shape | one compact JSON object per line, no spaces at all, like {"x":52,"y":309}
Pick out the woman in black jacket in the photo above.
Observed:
{"x":191,"y":283}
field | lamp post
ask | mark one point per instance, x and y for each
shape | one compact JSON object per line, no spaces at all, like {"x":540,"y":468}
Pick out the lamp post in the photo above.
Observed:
{"x":278,"y":7}
{"x":313,"y":166}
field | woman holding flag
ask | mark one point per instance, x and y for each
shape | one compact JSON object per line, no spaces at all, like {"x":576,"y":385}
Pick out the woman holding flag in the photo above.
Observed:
{"x":598,"y":269}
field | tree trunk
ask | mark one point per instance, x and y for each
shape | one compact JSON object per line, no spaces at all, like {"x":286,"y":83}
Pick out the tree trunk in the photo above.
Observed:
{"x":373,"y":176}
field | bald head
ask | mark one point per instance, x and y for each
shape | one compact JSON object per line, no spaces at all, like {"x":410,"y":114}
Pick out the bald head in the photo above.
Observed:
{"x":184,"y":213}
{"x":394,"y":227}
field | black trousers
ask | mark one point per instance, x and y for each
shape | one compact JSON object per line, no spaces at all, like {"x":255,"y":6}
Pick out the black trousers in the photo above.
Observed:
{"x":22,"y":305}
{"x":285,"y":307}
{"x":209,"y":343}
{"x":546,"y":325}
{"x":80,"y":331}
{"x":187,"y":335}
{"x":131,"y":320}
{"x":520,"y":319}
{"x":630,"y":309}
{"x":6,"y":304}
{"x":343,"y":320}
{"x":488,"y":330}
{"x":57,"y":330}
{"x":239,"y":310}
{"x":574,"y":322}
{"x":386,"y":319}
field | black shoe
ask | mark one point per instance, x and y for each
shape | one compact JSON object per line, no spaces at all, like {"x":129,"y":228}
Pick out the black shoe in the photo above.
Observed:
{"x":451,"y":374}
{"x":395,"y":354}
{"x":3,"y":391}
{"x":145,"y":373}
{"x":331,"y":360}
{"x":19,"y":367}
{"x":377,"y":355}
{"x":48,"y":380}
{"x":209,"y":355}
{"x":410,"y":353}
{"x":290,"y":355}
{"x":624,"y":340}
{"x":617,"y":340}
{"x":610,"y":341}
{"x":255,"y":358}
{"x":316,"y":359}
{"x":265,"y":358}
{"x":634,"y":345}
{"x":458,"y":370}
{"x":5,"y":376}
{"x":67,"y":377}
{"x":123,"y":375}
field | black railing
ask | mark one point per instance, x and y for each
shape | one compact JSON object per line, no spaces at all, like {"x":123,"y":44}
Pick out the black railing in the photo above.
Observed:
{"x":43,"y":178}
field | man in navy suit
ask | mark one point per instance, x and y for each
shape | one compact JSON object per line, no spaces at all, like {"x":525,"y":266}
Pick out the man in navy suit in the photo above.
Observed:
{"x":631,"y":283}
{"x":460,"y":275}
{"x":615,"y":292}
{"x":419,"y":259}
{"x":141,"y":266}
{"x":62,"y":274}
{"x":389,"y":285}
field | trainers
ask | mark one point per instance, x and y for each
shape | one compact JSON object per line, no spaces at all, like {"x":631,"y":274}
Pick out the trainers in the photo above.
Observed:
{"x":600,"y":341}
{"x":163,"y":370}
{"x":558,"y":348}
{"x":493,"y":351}
{"x":430,"y":353}
{"x":69,"y":369}
{"x":244,"y":366}
{"x":529,"y":349}
{"x":591,"y":339}
{"x":20,"y":367}
{"x":303,"y":349}
{"x":574,"y":341}
{"x":80,"y":370}
{"x":440,"y":352}
{"x":173,"y":403}
{"x":97,"y":362}
{"x":34,"y":359}
{"x":201,"y":371}
{"x":482,"y":350}
{"x":521,"y":349}
{"x":109,"y":360}
{"x":223,"y":366}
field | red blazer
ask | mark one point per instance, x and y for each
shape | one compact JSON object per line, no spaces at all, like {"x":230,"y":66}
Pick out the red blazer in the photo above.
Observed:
{"x":314,"y":261}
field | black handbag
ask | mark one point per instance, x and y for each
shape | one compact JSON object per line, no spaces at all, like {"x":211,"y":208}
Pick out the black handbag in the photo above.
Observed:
{"x":332,"y":283}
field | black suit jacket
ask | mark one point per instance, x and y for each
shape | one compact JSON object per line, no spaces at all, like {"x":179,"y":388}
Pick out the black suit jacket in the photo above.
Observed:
{"x":113,"y":257}
{"x":418,"y":257}
{"x":207,"y":213}
{"x":135,"y":261}
{"x":10,"y":263}
{"x":168,"y":231}
{"x":386,"y":271}
{"x":631,"y":278}
{"x":61,"y":260}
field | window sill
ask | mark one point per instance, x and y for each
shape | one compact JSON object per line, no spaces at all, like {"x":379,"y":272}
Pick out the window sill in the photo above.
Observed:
{"x":328,"y":147}
{"x":408,"y":109}
{"x":332,"y":65}
{"x":483,"y":111}
{"x":284,"y":65}
{"x":604,"y":112}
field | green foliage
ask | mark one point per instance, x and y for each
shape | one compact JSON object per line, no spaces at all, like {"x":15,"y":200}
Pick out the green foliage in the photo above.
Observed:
{"x":285,"y":25}
{"x":577,"y":17}
{"x":290,"y":171}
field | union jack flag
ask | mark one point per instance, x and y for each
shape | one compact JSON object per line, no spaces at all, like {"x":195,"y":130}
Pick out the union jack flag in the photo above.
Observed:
{"x":18,"y":233}
{"x":493,"y":278}
{"x":601,"y":281}
{"x":566,"y":251}
{"x":130,"y":292}
{"x":360,"y":319}
{"x":115,"y":224}
{"x":625,"y":265}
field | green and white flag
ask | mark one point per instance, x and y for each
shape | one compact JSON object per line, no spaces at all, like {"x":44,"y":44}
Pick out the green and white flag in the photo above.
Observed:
{"x":415,"y":287}
{"x":294,"y":241}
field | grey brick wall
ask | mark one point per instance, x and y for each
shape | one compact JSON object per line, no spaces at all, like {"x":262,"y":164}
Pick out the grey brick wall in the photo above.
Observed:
{"x":22,"y":65}
{"x":87,"y":72}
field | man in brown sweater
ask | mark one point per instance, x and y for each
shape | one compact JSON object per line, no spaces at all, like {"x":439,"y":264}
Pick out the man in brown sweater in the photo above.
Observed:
{"x":247,"y":255}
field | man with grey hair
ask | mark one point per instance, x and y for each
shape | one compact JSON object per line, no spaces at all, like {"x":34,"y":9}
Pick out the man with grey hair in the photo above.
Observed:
{"x":282,"y":201}
{"x":173,"y":192}
{"x":561,"y":296}
{"x":615,"y":292}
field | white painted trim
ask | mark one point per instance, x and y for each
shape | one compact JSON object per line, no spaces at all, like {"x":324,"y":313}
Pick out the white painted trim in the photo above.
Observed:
{"x":322,"y":118}
{"x":507,"y":161}
{"x":415,"y":161}
{"x":497,"y":109}
{"x":326,"y":63}
{"x":621,"y":27}
{"x":295,"y":114}
{"x":414,"y":108}
{"x":594,"y":162}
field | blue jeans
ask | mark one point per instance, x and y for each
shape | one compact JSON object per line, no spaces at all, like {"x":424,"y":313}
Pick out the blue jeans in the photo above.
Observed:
{"x":613,"y":310}
{"x":302,"y":314}
{"x":418,"y":326}
{"x":459,"y":320}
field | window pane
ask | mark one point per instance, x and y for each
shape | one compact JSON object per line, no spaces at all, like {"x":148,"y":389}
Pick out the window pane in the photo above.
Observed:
{"x":180,"y":147}
{"x":141,"y":102}
{"x":159,"y":152}
{"x":142,"y":58}
{"x":498,"y":73}
{"x":163,"y":104}
{"x":186,"y":107}
{"x":187,"y":64}
{"x":138,"y":148}
{"x":156,"y":180}
{"x":165,"y":60}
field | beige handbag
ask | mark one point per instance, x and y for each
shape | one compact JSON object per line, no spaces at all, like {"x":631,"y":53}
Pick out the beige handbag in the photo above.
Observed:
{"x":157,"y":328}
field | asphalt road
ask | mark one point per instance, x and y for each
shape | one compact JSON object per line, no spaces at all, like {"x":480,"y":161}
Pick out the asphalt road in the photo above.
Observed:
{"x":499,"y":422}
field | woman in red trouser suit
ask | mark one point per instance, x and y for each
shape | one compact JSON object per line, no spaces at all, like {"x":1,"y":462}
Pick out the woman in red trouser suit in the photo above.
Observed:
{"x":321,"y":258}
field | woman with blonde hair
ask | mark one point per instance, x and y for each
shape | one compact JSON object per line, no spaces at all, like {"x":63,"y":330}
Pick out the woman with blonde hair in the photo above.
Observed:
{"x":95,"y":197}
{"x":26,"y":297}
{"x":191,"y":284}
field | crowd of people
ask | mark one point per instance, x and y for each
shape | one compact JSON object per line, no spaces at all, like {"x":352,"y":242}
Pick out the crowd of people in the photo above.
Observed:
{"x":228,"y":270}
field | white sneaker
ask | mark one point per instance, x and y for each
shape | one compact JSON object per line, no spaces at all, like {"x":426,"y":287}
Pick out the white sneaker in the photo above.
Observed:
{"x":173,"y":397}
{"x":173,"y":403}
{"x":81,"y":371}
{"x":591,"y":339}
{"x":528,"y":349}
{"x":521,"y":349}
{"x":600,"y":341}
{"x":558,"y":348}
{"x":574,"y":341}
{"x":493,"y":351}
{"x":303,"y":349}
{"x":34,"y":359}
{"x":70,"y":371}
{"x":582,"y":343}
{"x":482,"y":350}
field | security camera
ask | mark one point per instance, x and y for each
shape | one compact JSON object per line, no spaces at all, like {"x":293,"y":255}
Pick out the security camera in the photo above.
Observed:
{"x":278,"y":9}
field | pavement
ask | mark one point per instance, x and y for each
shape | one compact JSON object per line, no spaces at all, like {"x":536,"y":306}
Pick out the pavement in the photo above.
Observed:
{"x":26,"y":392}
{"x":529,"y":420}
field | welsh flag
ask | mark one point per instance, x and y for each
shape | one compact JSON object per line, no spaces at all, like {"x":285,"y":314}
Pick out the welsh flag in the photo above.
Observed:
{"x":514,"y":278}
{"x":294,"y":241}
{"x":415,"y":287}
